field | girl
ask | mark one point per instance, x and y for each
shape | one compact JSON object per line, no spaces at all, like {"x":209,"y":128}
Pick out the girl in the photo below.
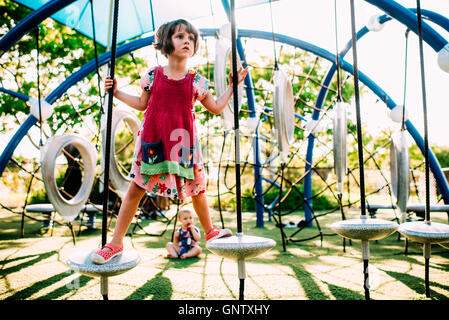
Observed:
{"x":167,"y":157}
{"x":186,"y":238}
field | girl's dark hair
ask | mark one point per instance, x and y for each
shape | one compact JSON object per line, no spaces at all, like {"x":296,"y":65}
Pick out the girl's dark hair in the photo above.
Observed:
{"x":164,"y":33}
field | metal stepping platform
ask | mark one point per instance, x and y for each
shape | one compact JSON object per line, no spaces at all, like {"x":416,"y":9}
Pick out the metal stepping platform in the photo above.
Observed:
{"x":425,"y":232}
{"x":364,"y":229}
{"x":240,"y":247}
{"x":81,"y":262}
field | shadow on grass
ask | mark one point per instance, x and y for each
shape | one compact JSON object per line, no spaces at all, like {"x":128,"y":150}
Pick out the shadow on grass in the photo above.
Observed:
{"x":312,"y":290}
{"x":417,"y":284}
{"x":341,"y":293}
{"x":77,"y":283}
{"x":37,"y":286}
{"x":159,"y":287}
{"x":38,"y":257}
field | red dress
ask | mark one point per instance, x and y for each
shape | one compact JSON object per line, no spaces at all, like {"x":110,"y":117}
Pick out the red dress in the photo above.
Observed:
{"x":167,"y":157}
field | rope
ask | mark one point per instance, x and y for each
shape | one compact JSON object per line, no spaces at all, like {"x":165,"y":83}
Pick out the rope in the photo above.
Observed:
{"x":357,"y":103}
{"x":273,"y":40}
{"x":337,"y":63}
{"x":405,"y":79}
{"x":38,"y":85}
{"x":426,"y":135}
{"x":109,"y":126}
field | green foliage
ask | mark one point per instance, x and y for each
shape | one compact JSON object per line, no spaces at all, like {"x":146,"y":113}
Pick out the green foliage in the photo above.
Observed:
{"x":442,"y":154}
{"x":294,"y":200}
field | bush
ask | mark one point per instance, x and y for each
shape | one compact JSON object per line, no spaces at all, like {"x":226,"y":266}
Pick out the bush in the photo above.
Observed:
{"x":294,"y":201}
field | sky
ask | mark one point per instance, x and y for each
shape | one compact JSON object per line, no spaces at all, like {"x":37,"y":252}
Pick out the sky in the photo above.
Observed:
{"x":380,"y":54}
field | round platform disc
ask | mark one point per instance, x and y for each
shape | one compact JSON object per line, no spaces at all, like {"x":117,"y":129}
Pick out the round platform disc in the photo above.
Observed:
{"x":81,"y":263}
{"x":422,"y":232}
{"x":364,"y":228}
{"x":240,"y":246}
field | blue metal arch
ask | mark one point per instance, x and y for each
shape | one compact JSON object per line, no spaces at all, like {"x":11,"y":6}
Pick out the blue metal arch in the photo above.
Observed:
{"x":439,"y":176}
{"x":29,"y":22}
{"x":20,"y":133}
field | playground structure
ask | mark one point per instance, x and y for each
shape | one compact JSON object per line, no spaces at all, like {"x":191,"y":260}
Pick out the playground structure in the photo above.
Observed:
{"x":282,"y":123}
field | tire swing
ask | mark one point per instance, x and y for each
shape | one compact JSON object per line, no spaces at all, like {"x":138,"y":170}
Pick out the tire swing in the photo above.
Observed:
{"x":118,"y":179}
{"x":399,"y":153}
{"x":364,"y":228}
{"x":80,"y":261}
{"x":68,"y":209}
{"x":222,"y":55}
{"x":240,"y":246}
{"x":425,"y":232}
{"x":400,"y":171}
{"x":339,"y":132}
{"x":284,"y":126}
{"x":283,"y":112}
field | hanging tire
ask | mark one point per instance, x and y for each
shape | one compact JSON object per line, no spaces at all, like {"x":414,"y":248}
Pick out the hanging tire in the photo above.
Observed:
{"x":68,"y":209}
{"x":340,"y":130}
{"x":283,"y":112}
{"x":400,"y":171}
{"x":222,"y":54}
{"x":117,"y":178}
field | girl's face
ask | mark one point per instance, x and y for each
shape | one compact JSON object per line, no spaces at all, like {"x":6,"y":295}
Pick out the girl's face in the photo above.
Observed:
{"x":186,"y":219}
{"x":183,"y":42}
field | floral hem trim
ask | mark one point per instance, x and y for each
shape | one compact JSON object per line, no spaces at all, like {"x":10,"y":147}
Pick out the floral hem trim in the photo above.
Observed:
{"x":166,"y":166}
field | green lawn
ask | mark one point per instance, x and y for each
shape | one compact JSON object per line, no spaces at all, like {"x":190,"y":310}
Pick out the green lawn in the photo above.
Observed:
{"x":33,"y":267}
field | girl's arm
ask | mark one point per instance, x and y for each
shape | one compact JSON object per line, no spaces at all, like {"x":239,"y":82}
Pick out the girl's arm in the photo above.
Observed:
{"x":218,"y":105}
{"x":136,"y":102}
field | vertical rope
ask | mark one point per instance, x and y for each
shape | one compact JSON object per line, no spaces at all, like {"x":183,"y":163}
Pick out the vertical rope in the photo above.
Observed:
{"x":360,"y":147}
{"x":38,"y":85}
{"x":423,"y":87}
{"x":405,"y":79}
{"x":279,"y":205}
{"x":337,"y":62}
{"x":357,"y":104}
{"x":236,"y":119}
{"x":276,"y":67}
{"x":109,"y":127}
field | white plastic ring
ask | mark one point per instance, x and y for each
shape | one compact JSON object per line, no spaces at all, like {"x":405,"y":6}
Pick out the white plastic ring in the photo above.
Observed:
{"x":340,"y":131}
{"x":118,"y":179}
{"x":283,"y":111}
{"x":68,"y":209}
{"x":222,"y":54}
{"x":400,"y":171}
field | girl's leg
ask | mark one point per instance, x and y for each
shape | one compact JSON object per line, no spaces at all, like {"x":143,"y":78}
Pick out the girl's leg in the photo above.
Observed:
{"x":172,"y":250}
{"x":126,"y":213}
{"x":202,"y":210}
{"x":195,"y":251}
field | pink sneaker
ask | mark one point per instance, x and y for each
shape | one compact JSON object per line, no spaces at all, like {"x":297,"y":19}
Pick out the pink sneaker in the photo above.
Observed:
{"x":217,"y":232}
{"x":101,"y":256}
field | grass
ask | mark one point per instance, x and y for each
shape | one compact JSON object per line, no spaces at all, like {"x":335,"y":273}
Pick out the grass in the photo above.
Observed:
{"x":33,"y":267}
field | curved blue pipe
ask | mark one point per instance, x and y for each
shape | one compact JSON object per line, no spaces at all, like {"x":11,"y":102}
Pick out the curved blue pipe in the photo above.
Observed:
{"x":15,"y":94}
{"x":408,"y":18}
{"x":15,"y":140}
{"x":439,"y":176}
{"x":29,"y":22}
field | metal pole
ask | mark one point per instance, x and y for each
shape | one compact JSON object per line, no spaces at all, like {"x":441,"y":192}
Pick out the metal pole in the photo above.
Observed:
{"x":104,"y":280}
